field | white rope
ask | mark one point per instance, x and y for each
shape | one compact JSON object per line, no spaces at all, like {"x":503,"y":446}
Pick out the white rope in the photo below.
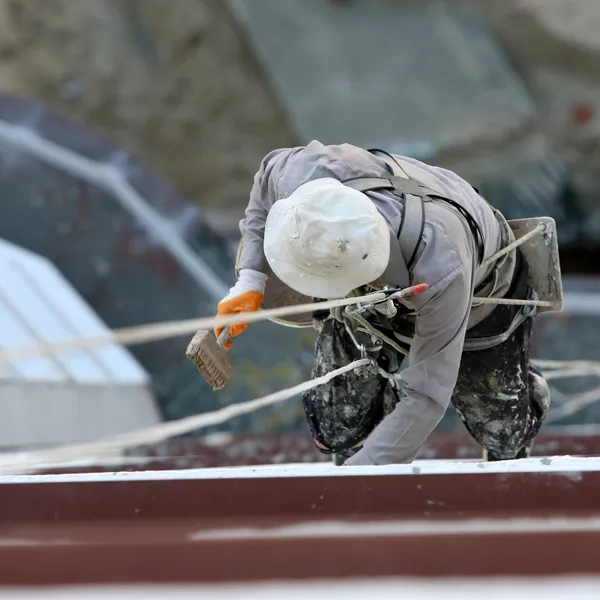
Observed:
{"x":21,"y":462}
{"x":539,"y":229}
{"x":157,"y":331}
{"x":110,"y":178}
{"x":101,"y":452}
{"x":372,"y":330}
{"x":392,"y":377}
{"x":513,"y":302}
{"x":98,"y":452}
{"x":572,"y":373}
{"x":574,"y":405}
{"x":565,"y":369}
{"x":591,"y":365}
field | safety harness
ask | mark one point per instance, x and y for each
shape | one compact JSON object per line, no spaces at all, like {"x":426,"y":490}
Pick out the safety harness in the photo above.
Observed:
{"x":413,"y":195}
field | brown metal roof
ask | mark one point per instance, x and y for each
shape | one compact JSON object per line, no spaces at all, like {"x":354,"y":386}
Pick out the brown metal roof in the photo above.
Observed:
{"x":535,"y":517}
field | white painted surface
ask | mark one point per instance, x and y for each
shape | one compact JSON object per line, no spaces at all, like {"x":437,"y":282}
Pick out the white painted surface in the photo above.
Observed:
{"x":570,"y":466}
{"x":61,"y":397}
{"x":37,"y":305}
{"x":327,"y":529}
{"x":34,"y":414}
{"x":551,"y":588}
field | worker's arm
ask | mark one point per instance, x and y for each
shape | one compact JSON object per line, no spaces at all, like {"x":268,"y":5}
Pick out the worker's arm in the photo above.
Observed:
{"x":264,"y":193}
{"x":278,"y":176}
{"x":434,"y":361}
{"x":247,"y":295}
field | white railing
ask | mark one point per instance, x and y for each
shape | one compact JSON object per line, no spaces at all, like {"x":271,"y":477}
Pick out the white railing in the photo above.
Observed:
{"x":111,"y":179}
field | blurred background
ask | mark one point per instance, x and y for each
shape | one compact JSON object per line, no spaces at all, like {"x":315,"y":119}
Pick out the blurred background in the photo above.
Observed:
{"x":130,"y":131}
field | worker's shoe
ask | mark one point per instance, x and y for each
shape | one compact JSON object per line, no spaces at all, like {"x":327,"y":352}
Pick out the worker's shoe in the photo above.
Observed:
{"x":339,"y":458}
{"x":524,"y":452}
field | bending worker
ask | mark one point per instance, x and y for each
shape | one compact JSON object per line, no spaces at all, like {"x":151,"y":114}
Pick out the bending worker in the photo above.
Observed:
{"x":337,"y":221}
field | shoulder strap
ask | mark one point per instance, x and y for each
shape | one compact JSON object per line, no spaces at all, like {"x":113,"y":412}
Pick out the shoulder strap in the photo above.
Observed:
{"x":411,"y":229}
{"x":412,"y":194}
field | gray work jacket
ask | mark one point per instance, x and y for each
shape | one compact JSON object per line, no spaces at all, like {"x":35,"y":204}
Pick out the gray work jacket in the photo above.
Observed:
{"x":447,"y":260}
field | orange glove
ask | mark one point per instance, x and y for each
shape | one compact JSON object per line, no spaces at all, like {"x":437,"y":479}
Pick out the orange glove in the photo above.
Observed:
{"x":246,"y":295}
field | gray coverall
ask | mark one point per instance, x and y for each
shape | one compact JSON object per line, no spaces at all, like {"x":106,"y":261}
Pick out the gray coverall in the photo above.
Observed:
{"x":499,"y":396}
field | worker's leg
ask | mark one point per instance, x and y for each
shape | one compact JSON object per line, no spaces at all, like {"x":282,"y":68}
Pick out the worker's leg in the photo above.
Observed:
{"x":343,"y":412}
{"x":501,"y":398}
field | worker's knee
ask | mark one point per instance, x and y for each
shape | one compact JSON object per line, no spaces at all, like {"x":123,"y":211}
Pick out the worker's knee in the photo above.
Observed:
{"x":506,"y":420}
{"x":342,"y":414}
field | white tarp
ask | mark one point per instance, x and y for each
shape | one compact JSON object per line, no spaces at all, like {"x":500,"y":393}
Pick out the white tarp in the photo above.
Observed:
{"x":66,"y":396}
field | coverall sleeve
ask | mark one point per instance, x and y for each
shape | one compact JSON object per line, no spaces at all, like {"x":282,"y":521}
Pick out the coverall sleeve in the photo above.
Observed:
{"x":263,"y":195}
{"x":434,"y":362}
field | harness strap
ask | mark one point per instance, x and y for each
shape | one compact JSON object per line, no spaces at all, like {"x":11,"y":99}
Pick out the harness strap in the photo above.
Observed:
{"x":413,"y":196}
{"x":410,"y":193}
{"x":411,"y":229}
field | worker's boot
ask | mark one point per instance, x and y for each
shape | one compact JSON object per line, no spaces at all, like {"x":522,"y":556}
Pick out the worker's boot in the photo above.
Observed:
{"x":524,"y":452}
{"x":340,"y":458}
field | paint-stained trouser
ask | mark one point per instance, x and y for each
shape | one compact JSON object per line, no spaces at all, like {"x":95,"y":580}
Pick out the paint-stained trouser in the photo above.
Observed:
{"x":500,"y":397}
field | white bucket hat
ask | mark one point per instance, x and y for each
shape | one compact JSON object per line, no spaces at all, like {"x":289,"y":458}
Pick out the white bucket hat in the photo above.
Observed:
{"x":326,"y":239}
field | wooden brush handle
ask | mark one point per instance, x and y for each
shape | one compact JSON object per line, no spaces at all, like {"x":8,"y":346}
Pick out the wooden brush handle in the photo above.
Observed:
{"x":223,"y":337}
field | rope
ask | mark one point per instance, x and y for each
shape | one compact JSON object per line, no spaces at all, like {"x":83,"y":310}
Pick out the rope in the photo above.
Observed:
{"x":12,"y":463}
{"x":100,"y":451}
{"x":140,"y":334}
{"x":110,"y":178}
{"x":570,"y":373}
{"x":567,"y":369}
{"x":20,"y":462}
{"x":539,"y":229}
{"x":513,"y":302}
{"x":568,"y":364}
{"x":371,"y":329}
{"x":574,"y":405}
{"x":157,"y":331}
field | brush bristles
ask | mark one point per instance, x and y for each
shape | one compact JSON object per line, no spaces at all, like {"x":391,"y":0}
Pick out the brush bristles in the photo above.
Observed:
{"x":212,"y":370}
{"x":211,"y":359}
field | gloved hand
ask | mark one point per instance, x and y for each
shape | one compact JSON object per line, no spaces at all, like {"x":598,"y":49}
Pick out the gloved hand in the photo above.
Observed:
{"x":246,"y":295}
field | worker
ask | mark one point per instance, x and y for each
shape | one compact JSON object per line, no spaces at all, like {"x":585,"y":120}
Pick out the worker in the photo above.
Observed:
{"x":336,"y":221}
